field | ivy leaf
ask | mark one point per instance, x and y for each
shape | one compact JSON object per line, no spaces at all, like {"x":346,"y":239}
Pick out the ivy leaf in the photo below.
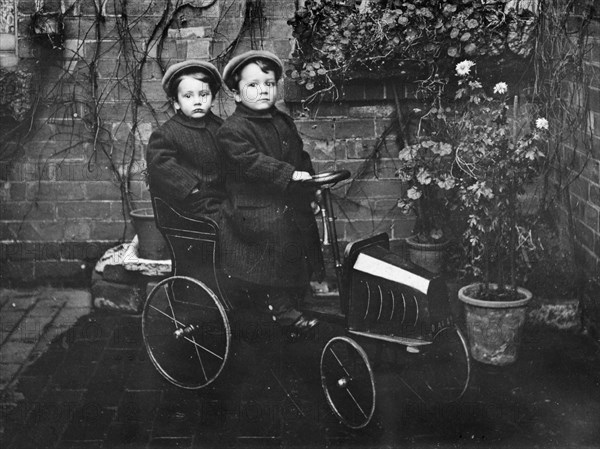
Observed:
{"x":473,"y":23}
{"x":470,"y":49}
{"x":449,"y":9}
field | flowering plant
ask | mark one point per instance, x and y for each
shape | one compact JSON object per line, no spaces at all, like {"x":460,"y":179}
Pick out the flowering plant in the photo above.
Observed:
{"x":498,"y":152}
{"x":431,"y":188}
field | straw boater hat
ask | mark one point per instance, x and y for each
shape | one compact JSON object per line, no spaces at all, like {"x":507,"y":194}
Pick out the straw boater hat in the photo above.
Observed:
{"x":238,"y":62}
{"x":203,"y":66}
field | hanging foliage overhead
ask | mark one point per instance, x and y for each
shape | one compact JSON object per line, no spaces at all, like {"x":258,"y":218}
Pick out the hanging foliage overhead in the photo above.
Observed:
{"x":340,"y":40}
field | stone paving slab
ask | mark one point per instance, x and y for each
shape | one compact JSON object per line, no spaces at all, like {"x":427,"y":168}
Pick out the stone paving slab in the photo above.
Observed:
{"x":31,"y":319}
{"x":88,"y":382}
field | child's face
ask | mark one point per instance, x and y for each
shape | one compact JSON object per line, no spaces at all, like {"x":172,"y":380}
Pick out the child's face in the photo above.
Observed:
{"x":257,"y":90}
{"x":194,"y":97}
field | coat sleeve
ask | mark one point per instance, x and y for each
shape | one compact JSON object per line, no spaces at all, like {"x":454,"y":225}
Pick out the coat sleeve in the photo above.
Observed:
{"x":305,"y":161}
{"x":166,"y":174}
{"x":250,"y":162}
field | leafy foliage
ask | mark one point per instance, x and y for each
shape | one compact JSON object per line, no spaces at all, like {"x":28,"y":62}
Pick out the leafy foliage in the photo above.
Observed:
{"x":431,"y":194}
{"x":338,"y":40}
{"x":16,"y":96}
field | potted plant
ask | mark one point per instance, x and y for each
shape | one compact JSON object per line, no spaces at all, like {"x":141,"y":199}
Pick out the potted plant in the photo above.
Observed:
{"x":151,"y":243}
{"x":499,"y":152}
{"x":426,"y":168}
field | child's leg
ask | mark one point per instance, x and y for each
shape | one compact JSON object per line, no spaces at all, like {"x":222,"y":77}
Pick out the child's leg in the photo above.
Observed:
{"x":281,"y":304}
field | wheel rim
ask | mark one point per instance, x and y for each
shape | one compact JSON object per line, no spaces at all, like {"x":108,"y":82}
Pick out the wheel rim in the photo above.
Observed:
{"x":445,"y":365}
{"x":348,"y":382}
{"x":186,"y":332}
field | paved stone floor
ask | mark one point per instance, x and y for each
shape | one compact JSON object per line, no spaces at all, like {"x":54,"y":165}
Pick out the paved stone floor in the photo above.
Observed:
{"x":76,"y":377}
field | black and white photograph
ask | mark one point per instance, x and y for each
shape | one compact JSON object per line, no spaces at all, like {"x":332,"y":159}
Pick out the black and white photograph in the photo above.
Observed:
{"x":299,"y":224}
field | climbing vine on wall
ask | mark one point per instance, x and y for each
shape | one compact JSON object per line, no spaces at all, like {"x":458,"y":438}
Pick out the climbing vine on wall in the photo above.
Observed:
{"x":90,"y":89}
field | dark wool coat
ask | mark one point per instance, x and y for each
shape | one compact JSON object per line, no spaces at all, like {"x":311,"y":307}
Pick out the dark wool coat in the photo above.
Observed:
{"x":270,"y":236}
{"x":182,"y":155}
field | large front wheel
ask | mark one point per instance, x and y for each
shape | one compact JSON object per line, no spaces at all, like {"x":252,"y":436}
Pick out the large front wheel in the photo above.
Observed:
{"x":186,"y":332}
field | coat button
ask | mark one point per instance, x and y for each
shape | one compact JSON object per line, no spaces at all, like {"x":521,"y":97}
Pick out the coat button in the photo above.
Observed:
{"x":270,"y":307}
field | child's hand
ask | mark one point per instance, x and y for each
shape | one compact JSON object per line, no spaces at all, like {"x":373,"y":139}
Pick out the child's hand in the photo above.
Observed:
{"x":316,"y":209}
{"x":301,"y":176}
{"x":316,"y":203}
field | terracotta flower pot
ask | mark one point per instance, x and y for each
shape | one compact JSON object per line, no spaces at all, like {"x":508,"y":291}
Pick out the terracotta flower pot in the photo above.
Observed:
{"x":494,"y":327}
{"x":152,"y":244}
{"x":430,"y":256}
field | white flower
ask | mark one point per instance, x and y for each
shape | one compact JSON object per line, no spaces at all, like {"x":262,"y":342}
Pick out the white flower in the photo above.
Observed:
{"x":404,"y":206}
{"x":407,"y":153}
{"x":436,"y":234}
{"x":446,"y":182}
{"x":424,"y":177}
{"x":413,"y":193}
{"x":541,"y":123}
{"x":442,"y":148}
{"x":500,"y":88}
{"x":403,"y":175}
{"x":464,"y":68}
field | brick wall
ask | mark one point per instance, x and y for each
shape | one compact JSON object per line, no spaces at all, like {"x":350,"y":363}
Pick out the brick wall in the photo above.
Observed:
{"x":61,"y":202}
{"x":353,"y":134}
{"x":584,"y":192}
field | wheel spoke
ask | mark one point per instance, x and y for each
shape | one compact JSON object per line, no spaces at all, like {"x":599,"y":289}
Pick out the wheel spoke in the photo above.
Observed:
{"x":203,"y":347}
{"x":357,"y":404}
{"x":200,"y":358}
{"x":170,"y":305}
{"x":172,"y":318}
{"x":340,"y":362}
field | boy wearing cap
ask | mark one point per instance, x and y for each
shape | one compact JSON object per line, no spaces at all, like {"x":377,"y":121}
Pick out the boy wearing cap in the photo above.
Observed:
{"x":270,"y":239}
{"x":183,"y":160}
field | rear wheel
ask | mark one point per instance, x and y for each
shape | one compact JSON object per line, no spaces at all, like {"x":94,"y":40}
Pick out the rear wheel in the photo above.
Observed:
{"x":348,"y":382}
{"x":186,"y":332}
{"x":444,"y":366}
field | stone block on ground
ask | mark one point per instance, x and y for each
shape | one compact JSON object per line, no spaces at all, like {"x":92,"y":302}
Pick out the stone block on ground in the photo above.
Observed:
{"x":118,"y":297}
{"x":149,"y":286}
{"x":563,"y":314}
{"x":121,"y":275}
